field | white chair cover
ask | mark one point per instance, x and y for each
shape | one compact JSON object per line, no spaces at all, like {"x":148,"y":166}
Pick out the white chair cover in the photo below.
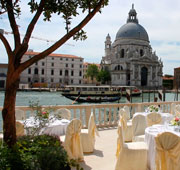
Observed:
{"x":167,"y":151}
{"x":177,"y":110}
{"x":130,"y":156}
{"x":138,"y":128}
{"x":20,"y":115}
{"x":88,"y":135}
{"x":64,"y":113}
{"x":127,"y":125}
{"x":153,"y":118}
{"x":173,"y":105}
{"x":126,"y":108}
{"x":19,"y":129}
{"x":72,"y":143}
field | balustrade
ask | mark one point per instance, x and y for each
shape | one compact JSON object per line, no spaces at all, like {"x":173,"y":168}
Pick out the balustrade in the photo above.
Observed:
{"x":106,"y":115}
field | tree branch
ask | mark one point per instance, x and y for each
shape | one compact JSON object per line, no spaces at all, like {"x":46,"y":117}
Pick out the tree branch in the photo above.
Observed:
{"x":6,"y":45}
{"x":61,"y":41}
{"x":13,"y":23}
{"x":33,"y":22}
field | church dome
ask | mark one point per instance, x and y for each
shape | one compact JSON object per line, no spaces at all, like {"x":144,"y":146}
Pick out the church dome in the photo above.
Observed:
{"x":132,"y":29}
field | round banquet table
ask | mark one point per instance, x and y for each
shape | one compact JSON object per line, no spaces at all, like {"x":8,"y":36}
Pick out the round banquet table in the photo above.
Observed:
{"x":166,"y":117}
{"x":150,"y":134}
{"x":56,"y":127}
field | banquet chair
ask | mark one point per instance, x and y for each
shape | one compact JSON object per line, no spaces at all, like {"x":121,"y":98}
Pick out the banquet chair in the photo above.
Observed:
{"x":138,"y":128}
{"x":20,"y":115}
{"x":19,"y":129}
{"x":177,"y":109}
{"x":88,"y":135}
{"x":153,"y":118}
{"x":173,"y":105}
{"x":64,"y":113}
{"x":127,"y":125}
{"x":167,"y":151}
{"x":126,"y":108}
{"x":130,"y":156}
{"x":72,"y":140}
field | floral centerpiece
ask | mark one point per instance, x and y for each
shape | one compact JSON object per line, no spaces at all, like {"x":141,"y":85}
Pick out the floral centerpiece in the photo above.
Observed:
{"x":153,"y":108}
{"x":43,"y":114}
{"x":175,"y":121}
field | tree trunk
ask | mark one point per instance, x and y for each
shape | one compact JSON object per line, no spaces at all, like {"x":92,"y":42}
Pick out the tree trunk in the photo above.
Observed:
{"x":8,"y":112}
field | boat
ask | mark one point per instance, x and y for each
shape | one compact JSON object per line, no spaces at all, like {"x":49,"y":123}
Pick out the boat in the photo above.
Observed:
{"x":130,"y":90}
{"x":91,"y":99}
{"x":95,"y":91}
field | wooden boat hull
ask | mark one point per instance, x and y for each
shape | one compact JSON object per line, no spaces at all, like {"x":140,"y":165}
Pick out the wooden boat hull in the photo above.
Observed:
{"x":83,"y":94}
{"x":93,"y":100}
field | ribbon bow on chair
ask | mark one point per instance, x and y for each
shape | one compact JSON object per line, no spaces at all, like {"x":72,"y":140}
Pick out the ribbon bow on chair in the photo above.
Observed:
{"x":167,"y":152}
{"x":118,"y":143}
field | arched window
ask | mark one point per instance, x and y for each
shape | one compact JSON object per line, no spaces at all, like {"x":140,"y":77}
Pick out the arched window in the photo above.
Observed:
{"x":141,"y":52}
{"x":66,"y":73}
{"x":118,"y":67}
{"x":36,"y":71}
{"x":42,"y":71}
{"x":122,"y":53}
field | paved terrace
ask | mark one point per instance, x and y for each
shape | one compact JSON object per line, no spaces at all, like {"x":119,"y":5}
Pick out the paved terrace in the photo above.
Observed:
{"x":103,"y":157}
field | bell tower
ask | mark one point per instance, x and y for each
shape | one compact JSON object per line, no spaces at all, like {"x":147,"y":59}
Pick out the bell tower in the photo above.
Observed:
{"x":108,"y":45}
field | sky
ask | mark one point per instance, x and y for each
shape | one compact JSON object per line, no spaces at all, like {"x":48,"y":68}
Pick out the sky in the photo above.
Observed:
{"x":161,"y":19}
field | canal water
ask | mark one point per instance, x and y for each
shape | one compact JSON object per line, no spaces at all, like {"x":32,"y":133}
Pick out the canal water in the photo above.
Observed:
{"x":55,"y":98}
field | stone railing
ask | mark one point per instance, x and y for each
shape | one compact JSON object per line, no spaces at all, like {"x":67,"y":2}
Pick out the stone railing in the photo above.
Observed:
{"x":106,"y":115}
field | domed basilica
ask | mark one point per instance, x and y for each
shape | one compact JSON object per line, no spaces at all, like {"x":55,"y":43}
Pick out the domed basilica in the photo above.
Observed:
{"x":130,"y":58}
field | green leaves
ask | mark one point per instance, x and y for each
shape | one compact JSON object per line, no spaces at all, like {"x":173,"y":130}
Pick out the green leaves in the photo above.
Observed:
{"x":104,"y":76}
{"x":92,"y":71}
{"x":80,"y":35}
{"x":67,"y":9}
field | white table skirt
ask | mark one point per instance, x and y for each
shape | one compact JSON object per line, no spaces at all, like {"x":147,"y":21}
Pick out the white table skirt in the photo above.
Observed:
{"x":150,"y":134}
{"x":55,"y":127}
{"x":166,"y":117}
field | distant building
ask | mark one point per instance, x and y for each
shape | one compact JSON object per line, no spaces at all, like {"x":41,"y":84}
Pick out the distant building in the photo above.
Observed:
{"x":168,"y":81}
{"x":130,"y":58}
{"x":88,"y":80}
{"x":177,"y":78}
{"x":3,"y":75}
{"x":53,"y":71}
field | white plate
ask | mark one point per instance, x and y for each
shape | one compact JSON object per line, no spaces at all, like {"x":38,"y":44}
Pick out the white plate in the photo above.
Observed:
{"x":157,"y":126}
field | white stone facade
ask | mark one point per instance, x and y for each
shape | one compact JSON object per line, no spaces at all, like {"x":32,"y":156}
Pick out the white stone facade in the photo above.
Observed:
{"x":130,"y":58}
{"x":55,"y":70}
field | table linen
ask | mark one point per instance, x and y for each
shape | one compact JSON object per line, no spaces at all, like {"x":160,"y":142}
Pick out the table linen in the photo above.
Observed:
{"x":55,"y":127}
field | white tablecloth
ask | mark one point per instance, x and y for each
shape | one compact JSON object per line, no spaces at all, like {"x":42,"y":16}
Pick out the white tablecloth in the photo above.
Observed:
{"x":150,"y":133}
{"x":55,"y":127}
{"x":166,"y":117}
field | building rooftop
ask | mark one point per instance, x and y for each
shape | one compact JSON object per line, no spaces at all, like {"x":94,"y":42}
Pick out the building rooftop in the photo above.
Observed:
{"x":3,"y":65}
{"x":53,"y":55}
{"x":168,"y":78}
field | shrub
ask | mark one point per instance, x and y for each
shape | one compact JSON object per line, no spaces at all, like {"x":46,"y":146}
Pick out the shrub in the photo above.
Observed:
{"x":35,"y":153}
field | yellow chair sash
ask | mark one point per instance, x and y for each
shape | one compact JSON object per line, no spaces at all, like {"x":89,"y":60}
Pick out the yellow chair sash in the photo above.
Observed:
{"x":75,"y":140}
{"x":123,"y":122}
{"x":118,"y":142}
{"x":162,"y":155}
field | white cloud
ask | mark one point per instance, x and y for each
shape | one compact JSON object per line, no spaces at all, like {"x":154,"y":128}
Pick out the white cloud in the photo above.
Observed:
{"x":161,"y":19}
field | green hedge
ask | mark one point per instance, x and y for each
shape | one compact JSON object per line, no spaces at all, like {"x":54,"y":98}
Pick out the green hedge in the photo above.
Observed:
{"x":35,"y":153}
